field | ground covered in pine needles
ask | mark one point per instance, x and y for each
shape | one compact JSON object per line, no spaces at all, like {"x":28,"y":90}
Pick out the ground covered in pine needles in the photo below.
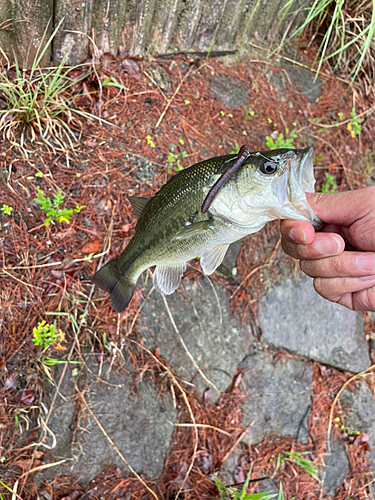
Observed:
{"x":150,"y":130}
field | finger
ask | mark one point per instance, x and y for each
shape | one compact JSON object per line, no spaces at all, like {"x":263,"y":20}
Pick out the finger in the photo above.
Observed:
{"x":347,"y":264}
{"x":333,"y":288}
{"x":296,"y":231}
{"x":324,"y":245}
{"x":342,"y":208}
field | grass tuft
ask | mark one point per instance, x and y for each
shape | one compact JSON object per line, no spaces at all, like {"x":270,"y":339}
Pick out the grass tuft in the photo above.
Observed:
{"x":38,"y":104}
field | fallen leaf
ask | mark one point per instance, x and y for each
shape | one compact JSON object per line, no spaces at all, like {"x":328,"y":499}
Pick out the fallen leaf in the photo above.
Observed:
{"x":92,"y":247}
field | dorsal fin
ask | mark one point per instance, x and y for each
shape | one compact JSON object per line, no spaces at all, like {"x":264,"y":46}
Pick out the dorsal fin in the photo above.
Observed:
{"x":138,"y":203}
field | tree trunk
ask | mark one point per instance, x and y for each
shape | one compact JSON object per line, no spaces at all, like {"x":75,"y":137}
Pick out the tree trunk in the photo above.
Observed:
{"x":138,"y":26}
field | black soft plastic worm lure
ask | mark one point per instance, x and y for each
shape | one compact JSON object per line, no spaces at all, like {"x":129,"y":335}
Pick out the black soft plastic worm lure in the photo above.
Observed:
{"x":243,"y":155}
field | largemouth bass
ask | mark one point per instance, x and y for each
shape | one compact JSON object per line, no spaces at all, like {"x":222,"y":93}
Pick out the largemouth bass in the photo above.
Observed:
{"x":171,"y":228}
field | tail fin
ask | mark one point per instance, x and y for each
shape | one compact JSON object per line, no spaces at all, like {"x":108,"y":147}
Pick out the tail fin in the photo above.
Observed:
{"x":121,"y":288}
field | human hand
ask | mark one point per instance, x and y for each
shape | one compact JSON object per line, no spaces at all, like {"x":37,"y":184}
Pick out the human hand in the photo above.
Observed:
{"x":343,"y":276}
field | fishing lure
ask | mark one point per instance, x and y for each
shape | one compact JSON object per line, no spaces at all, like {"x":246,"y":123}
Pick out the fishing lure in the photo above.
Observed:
{"x":243,"y":155}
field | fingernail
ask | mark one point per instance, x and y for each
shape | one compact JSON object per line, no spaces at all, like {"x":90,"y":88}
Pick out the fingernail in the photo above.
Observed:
{"x":328,"y":245}
{"x":365,"y":262}
{"x":298,"y":234}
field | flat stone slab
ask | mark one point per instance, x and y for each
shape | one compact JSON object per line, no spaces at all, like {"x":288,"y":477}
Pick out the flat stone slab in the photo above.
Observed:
{"x":138,"y":423}
{"x":279,"y":396}
{"x":361,"y":416}
{"x":336,"y":467}
{"x":230,"y":92}
{"x":201,"y":312}
{"x":294,"y":317}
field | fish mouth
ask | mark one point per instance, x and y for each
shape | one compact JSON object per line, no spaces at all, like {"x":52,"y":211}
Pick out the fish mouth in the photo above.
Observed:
{"x":299,"y":181}
{"x":305,"y":171}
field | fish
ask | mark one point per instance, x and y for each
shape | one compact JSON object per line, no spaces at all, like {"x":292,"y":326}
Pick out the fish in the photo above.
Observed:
{"x":204,"y":208}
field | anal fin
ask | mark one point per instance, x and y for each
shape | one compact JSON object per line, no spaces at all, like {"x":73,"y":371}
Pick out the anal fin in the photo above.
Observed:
{"x":212,"y":258}
{"x":167,"y":278}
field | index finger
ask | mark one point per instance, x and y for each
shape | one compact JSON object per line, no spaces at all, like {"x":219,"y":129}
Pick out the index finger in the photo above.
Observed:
{"x":297,"y":231}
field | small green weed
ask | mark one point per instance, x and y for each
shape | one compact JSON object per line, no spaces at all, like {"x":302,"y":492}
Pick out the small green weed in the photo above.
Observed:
{"x":236,"y":149}
{"x":112,"y":82}
{"x":174,"y":159}
{"x":308,"y":466}
{"x":46,"y":335}
{"x":282,"y":142}
{"x":249,"y":113}
{"x":52,"y":207}
{"x":329,"y":186}
{"x":224,"y":494}
{"x":150,"y":142}
{"x":6,"y":209}
{"x":354,"y":126}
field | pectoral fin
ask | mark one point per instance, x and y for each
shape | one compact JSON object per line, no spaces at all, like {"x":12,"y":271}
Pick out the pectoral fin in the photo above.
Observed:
{"x":167,"y":278}
{"x":211,"y":259}
{"x":193,"y":229}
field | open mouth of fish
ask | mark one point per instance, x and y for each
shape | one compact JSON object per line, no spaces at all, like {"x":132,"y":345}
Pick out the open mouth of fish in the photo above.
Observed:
{"x":292,"y":188}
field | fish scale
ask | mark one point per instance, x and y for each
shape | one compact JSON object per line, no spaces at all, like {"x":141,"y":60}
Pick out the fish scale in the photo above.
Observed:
{"x":172,"y":229}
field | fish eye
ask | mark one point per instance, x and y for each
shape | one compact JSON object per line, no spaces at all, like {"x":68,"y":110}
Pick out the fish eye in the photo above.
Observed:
{"x":268,"y":167}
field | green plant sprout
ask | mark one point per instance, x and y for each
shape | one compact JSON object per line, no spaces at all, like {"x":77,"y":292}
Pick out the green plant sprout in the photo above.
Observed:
{"x":329,"y":186}
{"x":6,"y":209}
{"x":172,"y":158}
{"x":280,"y":142}
{"x":236,"y":149}
{"x":308,"y":466}
{"x":150,"y":142}
{"x":111,"y":81}
{"x":46,"y":335}
{"x":52,"y":207}
{"x":354,"y":126}
{"x":224,"y":494}
{"x":249,"y":113}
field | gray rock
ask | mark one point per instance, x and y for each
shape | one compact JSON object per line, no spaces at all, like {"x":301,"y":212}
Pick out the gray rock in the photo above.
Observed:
{"x":217,"y":347}
{"x":362,"y":414}
{"x":279,"y":396}
{"x":161,"y":77}
{"x":138,"y":424}
{"x":305,"y":80}
{"x":336,"y":467}
{"x":276,"y":80}
{"x":294,"y":317}
{"x":230,"y":92}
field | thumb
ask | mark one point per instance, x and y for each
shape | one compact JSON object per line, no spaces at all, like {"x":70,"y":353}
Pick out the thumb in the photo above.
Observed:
{"x":342,"y":208}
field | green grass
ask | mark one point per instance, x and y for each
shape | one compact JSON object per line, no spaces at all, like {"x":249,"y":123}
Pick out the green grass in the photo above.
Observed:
{"x":224,"y":493}
{"x":308,"y":466}
{"x":349,"y":31}
{"x":38,"y":104}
